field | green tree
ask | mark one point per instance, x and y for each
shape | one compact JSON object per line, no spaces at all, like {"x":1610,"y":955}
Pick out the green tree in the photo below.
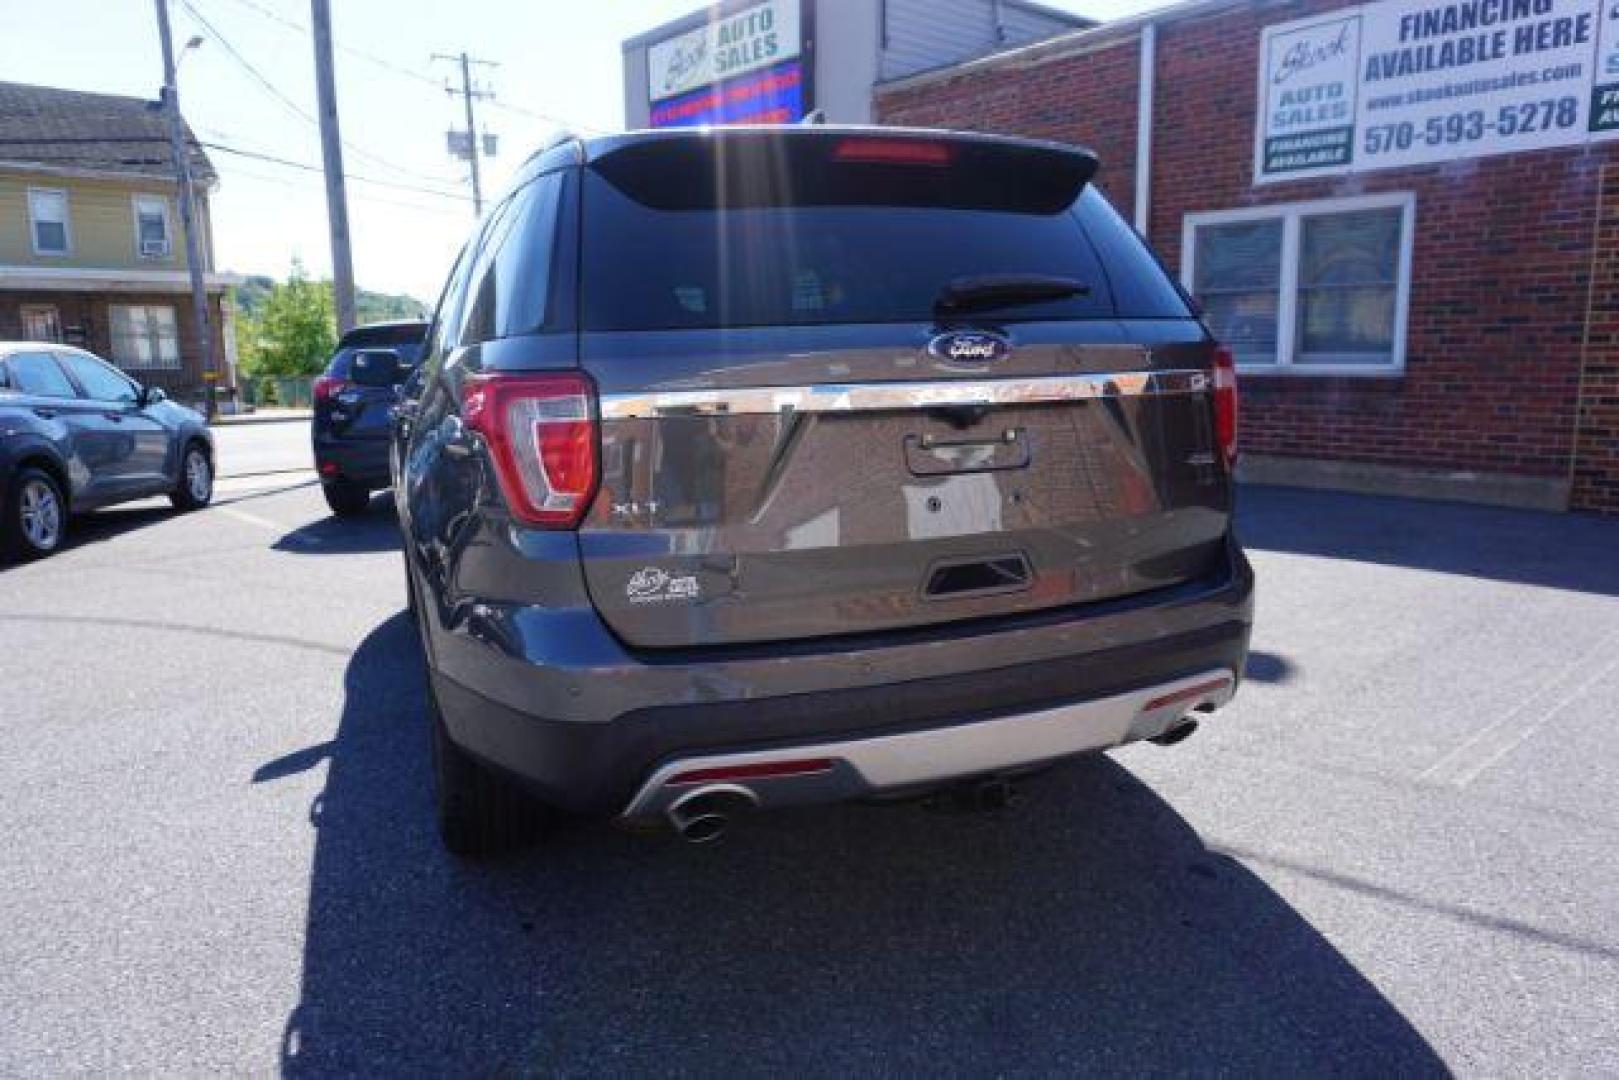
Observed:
{"x":295,"y":330}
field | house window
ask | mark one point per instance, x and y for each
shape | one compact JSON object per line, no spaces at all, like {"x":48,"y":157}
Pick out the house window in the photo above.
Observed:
{"x":1306,"y":288}
{"x":144,"y":336}
{"x":41,"y":322}
{"x":151,"y":227}
{"x":47,"y":215}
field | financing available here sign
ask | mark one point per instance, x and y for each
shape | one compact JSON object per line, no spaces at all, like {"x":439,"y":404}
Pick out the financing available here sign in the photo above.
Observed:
{"x":1408,"y":82}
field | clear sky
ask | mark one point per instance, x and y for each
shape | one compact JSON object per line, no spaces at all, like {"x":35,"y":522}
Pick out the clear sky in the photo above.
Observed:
{"x":555,"y":59}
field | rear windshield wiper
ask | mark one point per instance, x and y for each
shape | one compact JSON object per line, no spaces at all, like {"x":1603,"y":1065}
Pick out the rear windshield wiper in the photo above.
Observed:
{"x":1004,"y":290}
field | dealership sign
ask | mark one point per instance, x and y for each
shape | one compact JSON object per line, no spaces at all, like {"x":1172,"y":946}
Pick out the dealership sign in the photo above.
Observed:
{"x":1402,"y":82}
{"x":736,"y":68}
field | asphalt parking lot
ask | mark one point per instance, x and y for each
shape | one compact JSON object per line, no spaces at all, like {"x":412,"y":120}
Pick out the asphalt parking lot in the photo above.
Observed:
{"x":1394,"y":854}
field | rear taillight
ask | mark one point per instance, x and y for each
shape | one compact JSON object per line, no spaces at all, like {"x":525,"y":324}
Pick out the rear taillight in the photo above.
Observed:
{"x":541,"y":432}
{"x":894,"y":151}
{"x":1225,"y":403}
{"x":328,"y":387}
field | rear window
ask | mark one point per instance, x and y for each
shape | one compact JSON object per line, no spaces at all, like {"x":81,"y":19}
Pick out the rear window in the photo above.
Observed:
{"x":343,"y":360}
{"x":657,"y":254}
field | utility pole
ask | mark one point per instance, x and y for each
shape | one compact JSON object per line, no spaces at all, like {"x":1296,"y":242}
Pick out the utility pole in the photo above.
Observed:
{"x":468,"y":96}
{"x":331,"y":148}
{"x":188,"y":214}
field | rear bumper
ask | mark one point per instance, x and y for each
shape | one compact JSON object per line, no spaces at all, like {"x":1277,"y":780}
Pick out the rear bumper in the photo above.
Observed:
{"x":549,"y":697}
{"x":363,"y":461}
{"x":852,"y":768}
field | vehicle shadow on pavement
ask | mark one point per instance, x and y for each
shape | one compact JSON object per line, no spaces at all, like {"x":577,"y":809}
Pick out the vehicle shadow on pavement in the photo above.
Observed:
{"x":109,"y":524}
{"x":375,"y":530}
{"x":1562,"y":551}
{"x":1087,"y":930}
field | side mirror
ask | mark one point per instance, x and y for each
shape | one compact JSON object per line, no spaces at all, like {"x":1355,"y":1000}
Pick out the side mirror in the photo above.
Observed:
{"x":151,"y":395}
{"x":377,"y":367}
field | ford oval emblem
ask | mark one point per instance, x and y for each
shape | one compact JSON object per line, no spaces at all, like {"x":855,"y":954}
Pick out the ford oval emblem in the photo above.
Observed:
{"x":971,"y":347}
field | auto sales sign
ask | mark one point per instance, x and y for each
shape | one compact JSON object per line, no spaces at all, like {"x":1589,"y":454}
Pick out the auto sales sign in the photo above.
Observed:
{"x":744,"y":66}
{"x":1405,"y":82}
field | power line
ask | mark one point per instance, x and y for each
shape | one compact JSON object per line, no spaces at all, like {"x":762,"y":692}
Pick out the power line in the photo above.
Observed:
{"x":291,"y":164}
{"x":417,"y":76}
{"x":247,"y":65}
{"x":296,"y":109}
{"x":298,"y":27}
{"x":239,"y":151}
{"x":359,"y":196}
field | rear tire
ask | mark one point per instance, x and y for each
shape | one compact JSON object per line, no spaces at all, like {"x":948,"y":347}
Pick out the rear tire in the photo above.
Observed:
{"x":33,"y":520}
{"x":345,"y":497}
{"x":479,"y":812}
{"x":196,"y":487}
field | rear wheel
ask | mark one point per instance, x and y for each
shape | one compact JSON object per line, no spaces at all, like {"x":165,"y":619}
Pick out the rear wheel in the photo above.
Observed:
{"x":35,"y":515}
{"x":196,"y":487}
{"x":345,"y":497}
{"x":479,"y":812}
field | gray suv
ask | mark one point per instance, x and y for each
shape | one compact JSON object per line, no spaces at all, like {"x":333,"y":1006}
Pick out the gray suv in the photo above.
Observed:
{"x":752,"y":467}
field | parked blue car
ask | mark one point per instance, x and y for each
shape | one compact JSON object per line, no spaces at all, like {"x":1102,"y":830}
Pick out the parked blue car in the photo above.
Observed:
{"x":77,"y":434}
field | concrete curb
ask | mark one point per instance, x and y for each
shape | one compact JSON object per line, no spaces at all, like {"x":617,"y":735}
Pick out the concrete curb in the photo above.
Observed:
{"x":248,"y":419}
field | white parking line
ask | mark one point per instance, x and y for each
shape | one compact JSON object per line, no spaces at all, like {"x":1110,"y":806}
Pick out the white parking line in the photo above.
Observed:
{"x":1472,"y":758}
{"x":266,"y":523}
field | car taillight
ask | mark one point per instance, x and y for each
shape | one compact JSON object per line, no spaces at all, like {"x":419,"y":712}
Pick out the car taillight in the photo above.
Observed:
{"x":541,"y":432}
{"x":328,"y":387}
{"x":894,"y":151}
{"x":1225,"y":403}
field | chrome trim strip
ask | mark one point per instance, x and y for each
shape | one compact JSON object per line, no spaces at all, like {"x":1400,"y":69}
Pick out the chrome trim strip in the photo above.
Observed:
{"x":871,"y":397}
{"x":887,"y":762}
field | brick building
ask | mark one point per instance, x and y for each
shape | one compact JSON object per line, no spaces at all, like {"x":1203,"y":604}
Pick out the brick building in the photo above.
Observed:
{"x":1404,"y":216}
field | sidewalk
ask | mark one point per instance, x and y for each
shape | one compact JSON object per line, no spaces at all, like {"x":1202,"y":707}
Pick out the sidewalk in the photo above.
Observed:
{"x":263,"y":416}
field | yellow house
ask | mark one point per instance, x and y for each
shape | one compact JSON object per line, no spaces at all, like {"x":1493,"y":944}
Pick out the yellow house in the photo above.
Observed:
{"x":91,"y":247}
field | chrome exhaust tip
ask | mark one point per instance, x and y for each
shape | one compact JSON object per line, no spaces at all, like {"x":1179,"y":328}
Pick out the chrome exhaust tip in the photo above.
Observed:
{"x":1179,"y":731}
{"x":702,"y":816}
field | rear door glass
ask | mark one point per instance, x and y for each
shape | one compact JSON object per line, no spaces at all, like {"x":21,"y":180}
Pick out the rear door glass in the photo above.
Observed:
{"x":39,"y":375}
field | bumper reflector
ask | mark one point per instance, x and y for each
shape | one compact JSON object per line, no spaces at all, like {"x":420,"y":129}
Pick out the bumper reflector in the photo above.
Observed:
{"x":762,"y":770}
{"x":1187,"y":694}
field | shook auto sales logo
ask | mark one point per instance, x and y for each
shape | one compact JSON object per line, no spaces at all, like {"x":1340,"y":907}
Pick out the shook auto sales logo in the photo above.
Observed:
{"x":651,"y":585}
{"x":973,"y":347}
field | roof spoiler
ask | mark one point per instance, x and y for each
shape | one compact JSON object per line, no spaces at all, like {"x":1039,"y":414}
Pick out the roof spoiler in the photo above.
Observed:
{"x":823,"y":165}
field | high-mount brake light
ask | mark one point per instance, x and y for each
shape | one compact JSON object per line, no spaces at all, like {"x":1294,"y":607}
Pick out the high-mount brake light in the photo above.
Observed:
{"x":1225,"y":403}
{"x":541,"y":433}
{"x":894,"y":152}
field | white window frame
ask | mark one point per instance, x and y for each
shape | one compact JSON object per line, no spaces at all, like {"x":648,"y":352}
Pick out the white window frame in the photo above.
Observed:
{"x":25,"y":310}
{"x":132,"y":363}
{"x":67,"y":223}
{"x":162,"y":202}
{"x":1292,"y":217}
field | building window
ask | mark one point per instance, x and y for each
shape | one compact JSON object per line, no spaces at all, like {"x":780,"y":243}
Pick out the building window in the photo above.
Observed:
{"x":1306,"y":288}
{"x":151,"y":227}
{"x":144,"y":336}
{"x":47,"y":215}
{"x":41,"y":322}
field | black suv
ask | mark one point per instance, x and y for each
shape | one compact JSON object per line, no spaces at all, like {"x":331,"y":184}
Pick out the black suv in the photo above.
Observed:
{"x":353,"y":397}
{"x":763,"y":466}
